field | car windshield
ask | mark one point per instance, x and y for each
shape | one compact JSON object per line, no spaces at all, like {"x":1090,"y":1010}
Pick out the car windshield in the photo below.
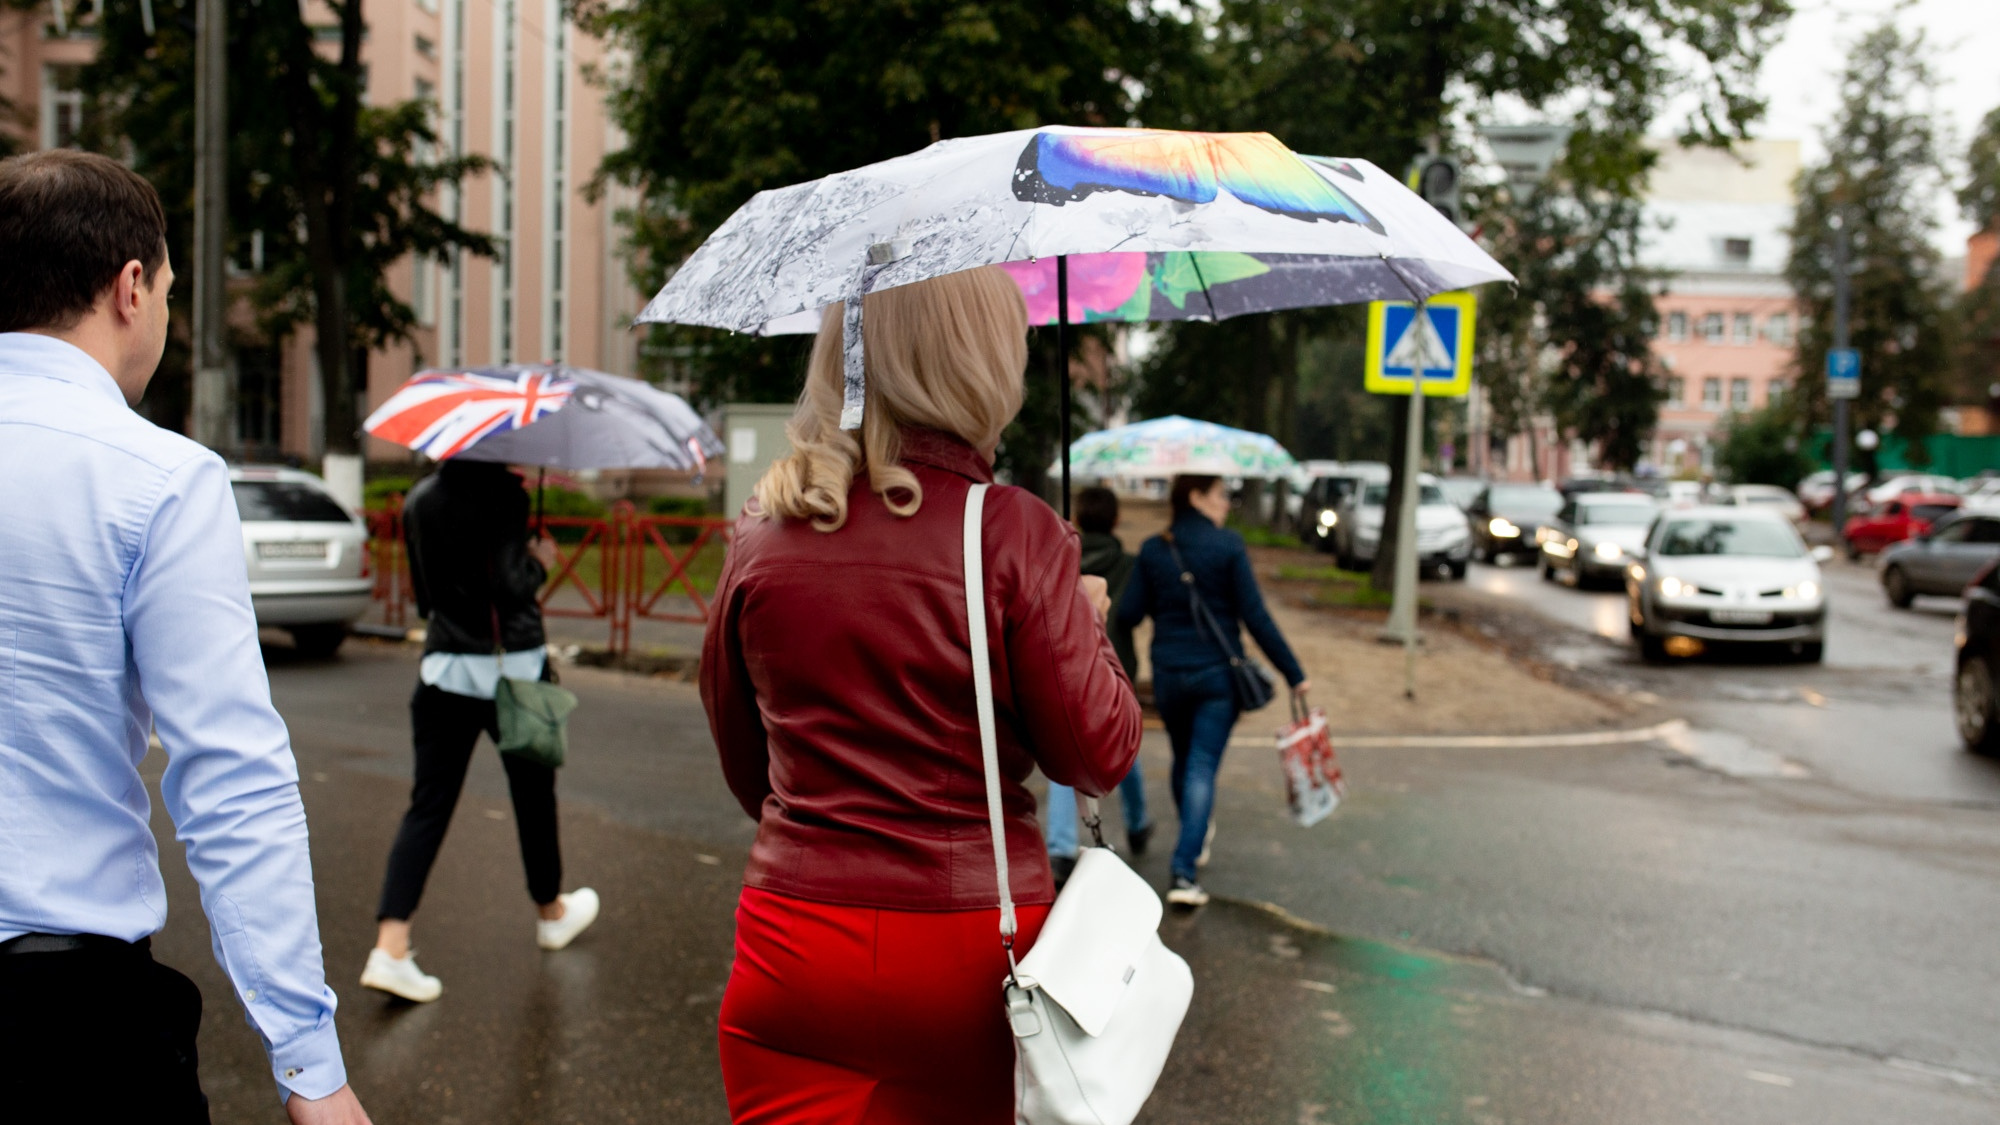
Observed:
{"x":1615,"y":513}
{"x":1762,"y":498}
{"x":1754,"y":538}
{"x":273,"y":501}
{"x":1378,"y":495}
{"x":1525,"y":501}
{"x":1930,"y":512}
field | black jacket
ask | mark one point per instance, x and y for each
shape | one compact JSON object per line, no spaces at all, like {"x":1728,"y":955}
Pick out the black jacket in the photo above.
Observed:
{"x":467,"y":530}
{"x":1105,"y":557}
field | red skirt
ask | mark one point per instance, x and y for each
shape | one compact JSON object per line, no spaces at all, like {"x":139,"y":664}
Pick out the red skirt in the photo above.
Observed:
{"x":851,"y":1015}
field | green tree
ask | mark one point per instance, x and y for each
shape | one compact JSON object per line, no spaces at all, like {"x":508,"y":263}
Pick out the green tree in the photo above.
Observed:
{"x":334,"y":191}
{"x":1882,"y":167}
{"x":1762,"y":447}
{"x":1979,"y":307}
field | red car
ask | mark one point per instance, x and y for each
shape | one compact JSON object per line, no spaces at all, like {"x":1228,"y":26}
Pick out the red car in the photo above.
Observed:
{"x":1908,"y":515}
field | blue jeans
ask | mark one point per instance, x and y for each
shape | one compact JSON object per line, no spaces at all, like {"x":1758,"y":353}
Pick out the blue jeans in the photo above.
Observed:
{"x":1062,"y":817}
{"x":1199,"y":708}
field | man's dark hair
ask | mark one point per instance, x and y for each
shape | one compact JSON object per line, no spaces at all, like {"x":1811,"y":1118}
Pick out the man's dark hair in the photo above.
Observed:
{"x":69,"y":221}
{"x":1185,"y":486}
{"x":1096,"y":510}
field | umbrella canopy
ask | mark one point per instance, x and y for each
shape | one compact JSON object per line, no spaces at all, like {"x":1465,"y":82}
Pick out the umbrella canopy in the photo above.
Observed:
{"x":561,"y":417}
{"x":1171,"y":213}
{"x":1164,"y":447}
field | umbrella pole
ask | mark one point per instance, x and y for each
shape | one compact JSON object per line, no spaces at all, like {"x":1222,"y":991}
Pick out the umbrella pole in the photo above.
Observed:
{"x":1062,"y":367}
{"x":539,"y":471}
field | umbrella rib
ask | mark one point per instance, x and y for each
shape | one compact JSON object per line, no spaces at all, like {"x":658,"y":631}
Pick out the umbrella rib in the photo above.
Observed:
{"x":1194,"y":259}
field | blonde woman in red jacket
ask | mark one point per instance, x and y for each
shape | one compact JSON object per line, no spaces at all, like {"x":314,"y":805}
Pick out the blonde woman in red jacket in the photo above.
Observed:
{"x":837,"y":673}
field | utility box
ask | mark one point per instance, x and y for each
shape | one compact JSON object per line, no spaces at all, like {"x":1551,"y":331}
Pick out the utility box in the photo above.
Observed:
{"x":755,"y":435}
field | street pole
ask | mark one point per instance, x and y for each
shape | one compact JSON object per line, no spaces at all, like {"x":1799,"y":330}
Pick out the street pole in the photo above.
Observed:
{"x":213,"y":409}
{"x":1403,"y":607}
{"x":1840,"y":303}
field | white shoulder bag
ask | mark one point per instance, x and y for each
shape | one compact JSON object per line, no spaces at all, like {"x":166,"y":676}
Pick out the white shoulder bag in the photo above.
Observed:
{"x":1096,"y":1004}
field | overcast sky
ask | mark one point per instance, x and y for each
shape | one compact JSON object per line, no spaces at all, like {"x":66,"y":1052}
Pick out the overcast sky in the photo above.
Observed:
{"x":1800,"y":75}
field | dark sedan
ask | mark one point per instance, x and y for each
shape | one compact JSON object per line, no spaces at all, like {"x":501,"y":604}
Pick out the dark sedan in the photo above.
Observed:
{"x":1504,"y":518}
{"x":1975,"y":701}
{"x":1940,"y":561}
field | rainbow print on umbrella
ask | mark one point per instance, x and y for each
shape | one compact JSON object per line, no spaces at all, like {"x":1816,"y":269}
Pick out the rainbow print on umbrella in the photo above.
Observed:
{"x":1060,"y":168}
{"x":1135,"y":286}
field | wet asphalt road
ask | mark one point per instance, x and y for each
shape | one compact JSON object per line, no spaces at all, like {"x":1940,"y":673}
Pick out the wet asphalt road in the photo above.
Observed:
{"x":1609,"y":934}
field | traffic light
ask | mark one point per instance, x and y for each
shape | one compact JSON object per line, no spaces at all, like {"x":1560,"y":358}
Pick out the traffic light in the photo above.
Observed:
{"x":1435,"y":178}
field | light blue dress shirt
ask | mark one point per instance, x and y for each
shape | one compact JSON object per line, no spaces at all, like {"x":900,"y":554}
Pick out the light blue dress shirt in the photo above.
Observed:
{"x":124,"y":606}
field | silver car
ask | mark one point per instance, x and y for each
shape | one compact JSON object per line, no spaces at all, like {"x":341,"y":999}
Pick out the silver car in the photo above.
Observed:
{"x":1594,"y":536}
{"x":1727,"y":574}
{"x":307,"y":555}
{"x":1943,"y":560}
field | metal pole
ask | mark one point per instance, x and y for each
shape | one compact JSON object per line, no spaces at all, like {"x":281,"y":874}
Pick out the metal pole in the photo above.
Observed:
{"x":1403,"y":609}
{"x":1841,"y":297}
{"x":1062,"y":367}
{"x":214,"y":417}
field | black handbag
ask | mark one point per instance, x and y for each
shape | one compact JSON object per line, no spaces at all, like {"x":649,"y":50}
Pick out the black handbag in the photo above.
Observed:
{"x":1254,"y":690}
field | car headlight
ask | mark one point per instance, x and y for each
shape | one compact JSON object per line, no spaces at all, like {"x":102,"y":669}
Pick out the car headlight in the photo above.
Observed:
{"x":1609,"y":552}
{"x":1807,"y":590}
{"x":1502,"y":528}
{"x":1328,"y":518}
{"x":1673,"y":587}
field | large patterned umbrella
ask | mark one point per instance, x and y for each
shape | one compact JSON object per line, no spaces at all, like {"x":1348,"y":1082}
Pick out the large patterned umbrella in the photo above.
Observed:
{"x":1164,"y":447}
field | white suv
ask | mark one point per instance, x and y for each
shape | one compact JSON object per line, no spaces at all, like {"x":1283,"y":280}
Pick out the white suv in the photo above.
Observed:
{"x":307,"y":555}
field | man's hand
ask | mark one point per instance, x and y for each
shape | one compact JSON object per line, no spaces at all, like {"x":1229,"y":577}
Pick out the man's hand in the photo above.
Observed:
{"x":1097,"y":593}
{"x":544,"y":550}
{"x":338,"y":1108}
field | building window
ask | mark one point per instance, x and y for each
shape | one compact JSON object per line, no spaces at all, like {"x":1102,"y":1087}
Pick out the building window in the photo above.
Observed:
{"x":1676,"y":391}
{"x":62,"y":106}
{"x":1736,"y":251}
{"x":430,"y":6}
{"x":555,"y":186}
{"x":1711,"y":394}
{"x":1739,"y":394}
{"x":1774,"y":392}
{"x":1745,"y":328}
{"x":1711,"y":328}
{"x":506,"y":91}
{"x":1677,"y":326}
{"x":423,"y":289}
{"x":426,"y":48}
{"x":1778,"y":329}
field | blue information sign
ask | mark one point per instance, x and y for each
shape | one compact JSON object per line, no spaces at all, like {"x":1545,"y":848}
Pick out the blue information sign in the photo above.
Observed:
{"x":1843,"y":373}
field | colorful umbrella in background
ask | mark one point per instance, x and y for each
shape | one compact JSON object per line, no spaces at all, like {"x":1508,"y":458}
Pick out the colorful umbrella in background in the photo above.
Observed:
{"x":1164,"y":447}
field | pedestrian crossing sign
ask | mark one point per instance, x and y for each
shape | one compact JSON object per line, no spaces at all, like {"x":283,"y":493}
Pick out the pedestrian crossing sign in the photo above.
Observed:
{"x":1442,"y":345}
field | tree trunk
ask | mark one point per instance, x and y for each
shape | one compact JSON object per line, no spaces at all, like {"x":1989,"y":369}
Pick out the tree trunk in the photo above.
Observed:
{"x":1382,"y":573}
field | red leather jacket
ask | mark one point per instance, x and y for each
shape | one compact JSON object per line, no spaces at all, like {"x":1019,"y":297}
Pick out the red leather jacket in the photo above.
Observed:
{"x":837,"y":673}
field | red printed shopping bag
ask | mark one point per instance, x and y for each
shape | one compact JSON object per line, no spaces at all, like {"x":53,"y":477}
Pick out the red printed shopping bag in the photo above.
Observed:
{"x":1313,"y":783}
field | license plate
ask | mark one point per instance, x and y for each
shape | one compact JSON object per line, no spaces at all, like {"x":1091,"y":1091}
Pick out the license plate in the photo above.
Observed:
{"x":1740,"y":616}
{"x":313,"y":550}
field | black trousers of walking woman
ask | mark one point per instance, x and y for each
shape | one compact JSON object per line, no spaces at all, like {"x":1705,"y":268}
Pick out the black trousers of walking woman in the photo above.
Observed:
{"x":446,"y":728}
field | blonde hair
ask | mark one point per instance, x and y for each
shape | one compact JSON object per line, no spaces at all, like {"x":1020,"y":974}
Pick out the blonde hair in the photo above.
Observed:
{"x":947,"y":353}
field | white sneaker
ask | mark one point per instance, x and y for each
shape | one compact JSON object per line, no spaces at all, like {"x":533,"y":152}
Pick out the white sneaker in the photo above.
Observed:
{"x":1207,"y":842}
{"x":1186,"y":892}
{"x":579,"y":911}
{"x":399,"y":976}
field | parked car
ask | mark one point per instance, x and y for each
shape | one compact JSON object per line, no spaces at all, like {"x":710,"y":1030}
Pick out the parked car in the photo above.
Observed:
{"x":307,"y":556}
{"x":1768,"y":496}
{"x":1975,"y":686}
{"x":1911,"y":482}
{"x":1504,"y":518}
{"x":1727,"y":574}
{"x":1909,"y":514}
{"x":1943,"y":561}
{"x":1594,"y":536}
{"x":1816,"y":490}
{"x":1444,"y":540}
{"x":1328,"y":493}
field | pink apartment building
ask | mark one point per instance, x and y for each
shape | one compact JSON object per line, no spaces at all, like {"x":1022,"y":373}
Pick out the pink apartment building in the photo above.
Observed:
{"x":508,"y":80}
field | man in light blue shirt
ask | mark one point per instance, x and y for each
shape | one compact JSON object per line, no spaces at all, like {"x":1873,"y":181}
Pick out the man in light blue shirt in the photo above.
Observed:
{"x":124,"y":609}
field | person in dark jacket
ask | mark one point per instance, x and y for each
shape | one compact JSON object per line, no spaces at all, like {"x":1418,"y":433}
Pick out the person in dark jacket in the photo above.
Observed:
{"x":1096,"y":518}
{"x":476,"y":575}
{"x":1192,"y":685}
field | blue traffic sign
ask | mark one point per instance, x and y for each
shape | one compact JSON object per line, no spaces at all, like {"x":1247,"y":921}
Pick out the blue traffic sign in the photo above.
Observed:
{"x":1843,"y":373}
{"x":1442,"y":346}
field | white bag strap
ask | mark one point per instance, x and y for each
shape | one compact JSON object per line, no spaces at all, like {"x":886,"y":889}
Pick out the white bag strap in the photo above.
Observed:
{"x":982,"y":682}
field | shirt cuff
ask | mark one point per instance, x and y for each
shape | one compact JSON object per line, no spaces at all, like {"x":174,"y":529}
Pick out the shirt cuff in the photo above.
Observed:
{"x":310,"y":1066}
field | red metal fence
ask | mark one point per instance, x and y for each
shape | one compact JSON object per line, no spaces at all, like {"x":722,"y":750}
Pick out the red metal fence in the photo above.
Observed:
{"x":621,"y":567}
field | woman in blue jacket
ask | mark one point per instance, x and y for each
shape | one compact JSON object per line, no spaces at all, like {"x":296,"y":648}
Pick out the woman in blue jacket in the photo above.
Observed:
{"x":1192,"y":685}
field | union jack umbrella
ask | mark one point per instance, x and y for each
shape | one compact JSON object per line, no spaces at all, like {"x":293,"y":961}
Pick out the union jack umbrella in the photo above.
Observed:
{"x":561,"y":417}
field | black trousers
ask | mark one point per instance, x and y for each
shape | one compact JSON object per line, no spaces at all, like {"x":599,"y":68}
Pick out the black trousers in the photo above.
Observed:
{"x":98,"y":1035}
{"x":446,"y":728}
